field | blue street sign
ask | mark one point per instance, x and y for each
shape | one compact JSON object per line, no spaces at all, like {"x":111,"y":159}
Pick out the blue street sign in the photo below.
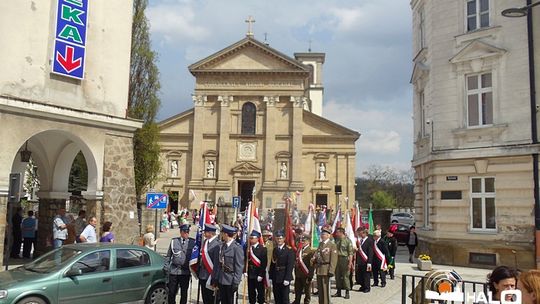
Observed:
{"x":157,"y":200}
{"x":236,"y":202}
{"x":70,"y":38}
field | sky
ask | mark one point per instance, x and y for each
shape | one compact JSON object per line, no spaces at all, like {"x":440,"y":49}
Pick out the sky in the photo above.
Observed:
{"x":365,"y":76}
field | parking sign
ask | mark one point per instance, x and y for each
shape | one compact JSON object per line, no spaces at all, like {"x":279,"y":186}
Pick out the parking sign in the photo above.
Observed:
{"x":236,"y":202}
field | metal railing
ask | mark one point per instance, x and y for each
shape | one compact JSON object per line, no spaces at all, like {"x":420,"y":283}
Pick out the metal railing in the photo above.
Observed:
{"x":409,"y":283}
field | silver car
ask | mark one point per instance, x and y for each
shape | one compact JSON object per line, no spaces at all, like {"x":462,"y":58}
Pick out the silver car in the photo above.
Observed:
{"x":403,"y":218}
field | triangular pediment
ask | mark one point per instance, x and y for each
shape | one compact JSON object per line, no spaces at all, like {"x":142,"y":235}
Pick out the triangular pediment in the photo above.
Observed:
{"x":477,"y":50}
{"x":246,"y":168}
{"x":420,"y":70}
{"x":315,"y":125}
{"x":178,"y":124}
{"x":247,"y":55}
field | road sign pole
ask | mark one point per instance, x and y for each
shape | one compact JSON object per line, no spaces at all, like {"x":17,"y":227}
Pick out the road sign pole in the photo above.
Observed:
{"x":156,"y":225}
{"x":235,"y":215}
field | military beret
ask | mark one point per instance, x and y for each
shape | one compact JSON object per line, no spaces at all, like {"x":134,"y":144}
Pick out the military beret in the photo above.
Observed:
{"x":327,"y":230}
{"x":255,"y":234}
{"x":228,"y":229}
{"x":209,"y":228}
{"x":184,"y":227}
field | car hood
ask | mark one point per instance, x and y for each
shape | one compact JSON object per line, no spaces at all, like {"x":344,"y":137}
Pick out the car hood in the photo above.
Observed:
{"x":12,"y":277}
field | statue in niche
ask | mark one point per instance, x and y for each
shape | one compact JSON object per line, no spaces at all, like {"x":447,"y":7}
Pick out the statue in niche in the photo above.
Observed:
{"x":322,"y":171}
{"x":210,"y":169}
{"x":174,"y":168}
{"x":283,"y":171}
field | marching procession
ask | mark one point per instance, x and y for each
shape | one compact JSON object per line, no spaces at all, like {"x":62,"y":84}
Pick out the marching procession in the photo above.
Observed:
{"x":265,"y":265}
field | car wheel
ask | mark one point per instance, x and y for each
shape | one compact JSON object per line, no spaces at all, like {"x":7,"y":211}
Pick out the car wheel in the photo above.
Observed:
{"x":394,"y":221}
{"x":32,"y":300}
{"x":157,"y":295}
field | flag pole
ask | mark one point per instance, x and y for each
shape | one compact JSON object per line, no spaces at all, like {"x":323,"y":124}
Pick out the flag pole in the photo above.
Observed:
{"x":248,"y":251}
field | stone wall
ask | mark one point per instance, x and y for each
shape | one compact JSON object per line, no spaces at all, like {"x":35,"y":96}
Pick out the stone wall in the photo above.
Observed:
{"x":3,"y":226}
{"x":119,"y":199}
{"x":46,"y":213}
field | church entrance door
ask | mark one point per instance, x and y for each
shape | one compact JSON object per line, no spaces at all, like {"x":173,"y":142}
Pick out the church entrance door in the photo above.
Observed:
{"x":245,"y":189}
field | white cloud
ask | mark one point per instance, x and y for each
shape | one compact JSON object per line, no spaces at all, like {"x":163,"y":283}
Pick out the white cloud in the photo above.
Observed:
{"x":176,"y":22}
{"x":380,"y":141}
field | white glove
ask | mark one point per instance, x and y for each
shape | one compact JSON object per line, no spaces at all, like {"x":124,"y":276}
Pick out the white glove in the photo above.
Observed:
{"x":286,"y":283}
{"x":270,"y":282}
{"x":259,"y":279}
{"x":245,"y":274}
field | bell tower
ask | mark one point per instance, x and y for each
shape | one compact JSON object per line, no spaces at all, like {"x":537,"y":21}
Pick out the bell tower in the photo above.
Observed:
{"x":315,"y":88}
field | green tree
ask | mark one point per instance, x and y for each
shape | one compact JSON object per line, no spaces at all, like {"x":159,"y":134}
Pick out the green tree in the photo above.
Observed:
{"x":78,"y":175}
{"x":383,"y":200}
{"x":144,"y":101}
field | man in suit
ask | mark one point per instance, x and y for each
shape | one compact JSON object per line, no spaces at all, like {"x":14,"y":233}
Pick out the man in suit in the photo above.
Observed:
{"x":325,"y":260}
{"x":364,"y":259}
{"x":177,"y":265}
{"x":228,"y":270}
{"x":257,"y":259}
{"x":207,"y":261}
{"x":303,"y":271}
{"x":281,"y":269}
{"x":380,"y":252}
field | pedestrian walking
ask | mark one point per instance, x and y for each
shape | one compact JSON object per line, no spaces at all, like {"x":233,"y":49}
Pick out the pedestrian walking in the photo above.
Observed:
{"x":177,"y":265}
{"x":256,"y":271}
{"x":60,"y":232}
{"x":28,"y":233}
{"x":80,"y":223}
{"x":325,"y":260}
{"x":303,"y":271}
{"x":281,"y":269}
{"x":106,"y":235}
{"x":227,"y":274}
{"x":380,"y":265}
{"x":412,"y":242}
{"x":149,"y":239}
{"x":345,"y":254}
{"x":364,"y":260}
{"x":392,"y":244}
{"x":89,"y":233}
{"x":208,"y":259}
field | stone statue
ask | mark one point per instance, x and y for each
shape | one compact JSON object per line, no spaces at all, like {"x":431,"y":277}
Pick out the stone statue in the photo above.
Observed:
{"x":322,"y":171}
{"x":174,"y":168}
{"x":210,"y":169}
{"x":283,"y":171}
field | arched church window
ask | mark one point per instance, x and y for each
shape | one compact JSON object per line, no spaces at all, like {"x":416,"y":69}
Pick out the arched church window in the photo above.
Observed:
{"x":249,"y":114}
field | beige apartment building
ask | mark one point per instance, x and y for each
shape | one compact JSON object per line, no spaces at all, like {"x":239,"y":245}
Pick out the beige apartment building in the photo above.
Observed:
{"x":257,"y":128}
{"x":475,"y":145}
{"x":55,"y":114}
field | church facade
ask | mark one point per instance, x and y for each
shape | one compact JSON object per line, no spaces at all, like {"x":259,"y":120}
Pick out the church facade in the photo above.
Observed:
{"x":257,"y":131}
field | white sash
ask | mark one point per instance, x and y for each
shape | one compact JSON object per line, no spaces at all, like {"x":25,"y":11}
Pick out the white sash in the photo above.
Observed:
{"x":362,"y":253}
{"x":207,"y":261}
{"x":301,"y":263}
{"x":254,"y":258}
{"x":380,"y":256}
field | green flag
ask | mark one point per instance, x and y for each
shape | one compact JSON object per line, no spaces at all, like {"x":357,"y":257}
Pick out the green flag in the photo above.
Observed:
{"x":314,"y":233}
{"x":370,"y":221}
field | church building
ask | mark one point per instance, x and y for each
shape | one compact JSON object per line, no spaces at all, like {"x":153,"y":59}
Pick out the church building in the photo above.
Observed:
{"x":257,"y":131}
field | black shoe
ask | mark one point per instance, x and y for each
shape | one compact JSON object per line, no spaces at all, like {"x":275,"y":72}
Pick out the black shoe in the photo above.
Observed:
{"x":383,"y":284}
{"x":347,"y":296}
{"x":361,"y":290}
{"x":374,"y":285}
{"x":391,"y":277}
{"x":337,"y":294}
{"x":366,"y":291}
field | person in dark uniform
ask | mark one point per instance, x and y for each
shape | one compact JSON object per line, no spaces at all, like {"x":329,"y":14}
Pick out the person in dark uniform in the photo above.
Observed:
{"x":177,"y":265}
{"x":228,"y":270}
{"x":364,"y":259}
{"x":207,"y":261}
{"x":281,"y":269}
{"x":16,"y":221}
{"x":257,"y":259}
{"x":391,"y":242}
{"x":303,"y":271}
{"x":380,"y":252}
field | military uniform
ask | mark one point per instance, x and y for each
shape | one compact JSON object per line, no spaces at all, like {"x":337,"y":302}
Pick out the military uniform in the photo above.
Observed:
{"x":364,"y":261}
{"x":208,"y":258}
{"x":227,"y":273}
{"x":379,"y":262}
{"x":281,"y":270}
{"x":269,"y":245}
{"x":256,"y":272}
{"x":391,"y":243}
{"x":326,"y":259}
{"x":345,"y":251}
{"x":177,"y":266}
{"x":303,"y":274}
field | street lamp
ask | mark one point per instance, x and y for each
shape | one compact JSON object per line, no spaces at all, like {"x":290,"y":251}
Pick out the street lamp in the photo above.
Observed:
{"x":514,"y":12}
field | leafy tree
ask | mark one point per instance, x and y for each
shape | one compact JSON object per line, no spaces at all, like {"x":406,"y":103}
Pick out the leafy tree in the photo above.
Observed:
{"x":78,"y":175}
{"x":399,"y":184}
{"x":144,"y":101}
{"x":383,"y":200}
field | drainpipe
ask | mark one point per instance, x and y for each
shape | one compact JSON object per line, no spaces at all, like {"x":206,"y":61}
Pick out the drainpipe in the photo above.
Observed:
{"x":534,"y":135}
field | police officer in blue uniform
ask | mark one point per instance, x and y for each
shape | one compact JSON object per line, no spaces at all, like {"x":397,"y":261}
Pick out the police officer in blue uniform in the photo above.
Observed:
{"x":281,"y":269}
{"x":228,"y":271}
{"x":177,"y":265}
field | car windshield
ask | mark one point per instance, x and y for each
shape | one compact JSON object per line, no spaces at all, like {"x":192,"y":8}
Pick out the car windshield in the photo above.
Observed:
{"x":52,"y":261}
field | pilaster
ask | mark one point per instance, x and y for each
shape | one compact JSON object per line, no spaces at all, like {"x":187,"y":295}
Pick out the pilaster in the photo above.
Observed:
{"x":224,"y":132}
{"x":297,"y":123}
{"x":269,"y":140}
{"x":196,"y":144}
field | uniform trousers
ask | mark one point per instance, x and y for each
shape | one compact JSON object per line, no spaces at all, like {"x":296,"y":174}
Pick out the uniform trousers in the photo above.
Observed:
{"x":377,"y":271}
{"x":207,"y":294}
{"x":342,"y":273}
{"x":302,"y":285}
{"x":363,"y":277}
{"x":175,"y":282}
{"x":281,"y":293}
{"x":226,"y":294}
{"x":323,"y":287}
{"x":255,"y":291}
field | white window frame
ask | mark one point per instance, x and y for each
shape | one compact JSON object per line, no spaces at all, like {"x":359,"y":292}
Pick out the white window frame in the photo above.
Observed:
{"x":479,"y":91}
{"x":422,"y":28}
{"x":477,"y":15}
{"x":483,"y":195}
{"x":426,"y":205}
